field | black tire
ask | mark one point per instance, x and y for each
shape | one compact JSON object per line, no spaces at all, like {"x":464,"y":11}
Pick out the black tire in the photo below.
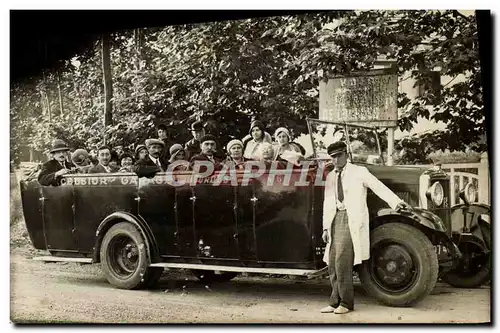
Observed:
{"x":475,"y":269}
{"x":403,"y":265}
{"x":124,"y":258}
{"x":211,"y":277}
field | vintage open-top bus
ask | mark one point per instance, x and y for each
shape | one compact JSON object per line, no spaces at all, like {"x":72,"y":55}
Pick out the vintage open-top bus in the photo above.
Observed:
{"x":221,"y":224}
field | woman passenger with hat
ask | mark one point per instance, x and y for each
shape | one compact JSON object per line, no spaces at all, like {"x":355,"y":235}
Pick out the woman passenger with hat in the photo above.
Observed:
{"x":81,"y":160}
{"x":235,"y":154}
{"x":259,"y":136}
{"x":126,"y":162}
{"x":141,"y":152}
{"x":177,"y":153}
{"x":53,"y":170}
{"x":285,"y":149}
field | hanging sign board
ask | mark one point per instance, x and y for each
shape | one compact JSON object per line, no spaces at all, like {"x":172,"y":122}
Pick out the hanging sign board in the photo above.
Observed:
{"x":364,"y":99}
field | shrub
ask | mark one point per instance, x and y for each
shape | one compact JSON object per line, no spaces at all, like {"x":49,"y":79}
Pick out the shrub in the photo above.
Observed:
{"x":447,"y":157}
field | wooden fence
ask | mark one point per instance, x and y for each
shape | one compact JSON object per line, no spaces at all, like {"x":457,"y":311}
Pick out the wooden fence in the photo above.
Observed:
{"x":463,"y":173}
{"x":475,"y":173}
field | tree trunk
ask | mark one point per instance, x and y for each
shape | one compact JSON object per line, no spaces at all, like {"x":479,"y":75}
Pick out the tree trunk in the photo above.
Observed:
{"x":59,"y":92}
{"x":78,"y":96}
{"x":46,"y":95}
{"x":108,"y":83}
{"x":138,"y":42}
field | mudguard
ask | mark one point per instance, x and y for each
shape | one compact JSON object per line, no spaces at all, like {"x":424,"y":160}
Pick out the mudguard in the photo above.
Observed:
{"x":418,"y":216}
{"x":480,"y":229}
{"x":142,"y":226}
{"x":427,"y":222}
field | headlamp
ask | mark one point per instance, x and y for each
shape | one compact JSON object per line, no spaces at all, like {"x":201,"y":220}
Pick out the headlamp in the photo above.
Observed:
{"x":436,"y":193}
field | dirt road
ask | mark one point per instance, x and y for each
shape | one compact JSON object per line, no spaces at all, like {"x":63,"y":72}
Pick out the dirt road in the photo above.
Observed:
{"x":68,"y":292}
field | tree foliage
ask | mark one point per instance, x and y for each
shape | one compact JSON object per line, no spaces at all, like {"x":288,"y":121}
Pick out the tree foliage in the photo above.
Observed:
{"x":227,"y":73}
{"x":421,"y":42}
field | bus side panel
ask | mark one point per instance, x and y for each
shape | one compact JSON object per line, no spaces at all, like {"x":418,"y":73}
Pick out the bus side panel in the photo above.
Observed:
{"x":96,"y":197}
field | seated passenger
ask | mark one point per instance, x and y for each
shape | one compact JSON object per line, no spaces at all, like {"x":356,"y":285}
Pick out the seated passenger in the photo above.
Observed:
{"x":103,"y":158}
{"x":177,"y":153}
{"x":81,"y":159}
{"x":258,"y":137}
{"x":114,"y":161}
{"x":53,"y":170}
{"x":235,"y":154}
{"x":266,"y":154}
{"x":192,"y":147}
{"x":93,"y":157}
{"x":119,"y":151}
{"x":141,"y":152}
{"x":152,"y":163}
{"x":208,"y":147}
{"x":126,"y":162}
{"x":283,"y":142}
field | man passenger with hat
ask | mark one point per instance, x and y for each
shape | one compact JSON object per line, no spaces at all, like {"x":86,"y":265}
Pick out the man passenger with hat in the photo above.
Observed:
{"x":346,"y":223}
{"x":151,"y":164}
{"x":53,"y":170}
{"x":208,"y":148}
{"x":162,"y":132}
{"x":192,"y":147}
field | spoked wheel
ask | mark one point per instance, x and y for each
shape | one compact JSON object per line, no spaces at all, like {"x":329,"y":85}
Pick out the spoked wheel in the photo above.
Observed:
{"x":124,"y":258}
{"x":403,"y":265}
{"x":474,"y":269}
{"x":212,"y":276}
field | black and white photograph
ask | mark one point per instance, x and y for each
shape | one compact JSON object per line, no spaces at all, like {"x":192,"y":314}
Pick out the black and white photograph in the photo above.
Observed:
{"x":250,"y":167}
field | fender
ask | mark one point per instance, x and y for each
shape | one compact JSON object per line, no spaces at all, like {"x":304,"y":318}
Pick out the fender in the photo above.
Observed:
{"x":470,"y":238}
{"x":139,"y":222}
{"x":418,"y":217}
{"x":429,"y":223}
{"x":480,"y":228}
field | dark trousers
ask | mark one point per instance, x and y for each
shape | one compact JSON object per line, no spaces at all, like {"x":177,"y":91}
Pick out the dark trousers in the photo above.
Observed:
{"x":341,"y":262}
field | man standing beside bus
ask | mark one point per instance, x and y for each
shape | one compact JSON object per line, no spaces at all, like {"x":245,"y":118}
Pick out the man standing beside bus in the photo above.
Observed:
{"x":346,"y":223}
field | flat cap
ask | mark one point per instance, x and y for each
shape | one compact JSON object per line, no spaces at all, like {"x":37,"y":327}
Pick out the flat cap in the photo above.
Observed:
{"x":336,"y":148}
{"x":150,"y":142}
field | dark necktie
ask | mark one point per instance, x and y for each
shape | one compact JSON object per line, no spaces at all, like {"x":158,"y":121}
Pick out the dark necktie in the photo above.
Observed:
{"x":340,"y":188}
{"x":159,"y":165}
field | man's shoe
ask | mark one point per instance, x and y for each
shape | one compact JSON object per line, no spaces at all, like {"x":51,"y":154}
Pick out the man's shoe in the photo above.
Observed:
{"x":328,"y":309}
{"x":341,"y":310}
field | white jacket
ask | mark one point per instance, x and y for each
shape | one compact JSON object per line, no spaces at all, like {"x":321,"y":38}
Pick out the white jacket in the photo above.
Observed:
{"x":355,"y":180}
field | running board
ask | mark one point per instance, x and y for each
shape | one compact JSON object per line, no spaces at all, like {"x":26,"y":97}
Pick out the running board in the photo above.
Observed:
{"x":283,"y":271}
{"x":63,"y":259}
{"x":239,"y":269}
